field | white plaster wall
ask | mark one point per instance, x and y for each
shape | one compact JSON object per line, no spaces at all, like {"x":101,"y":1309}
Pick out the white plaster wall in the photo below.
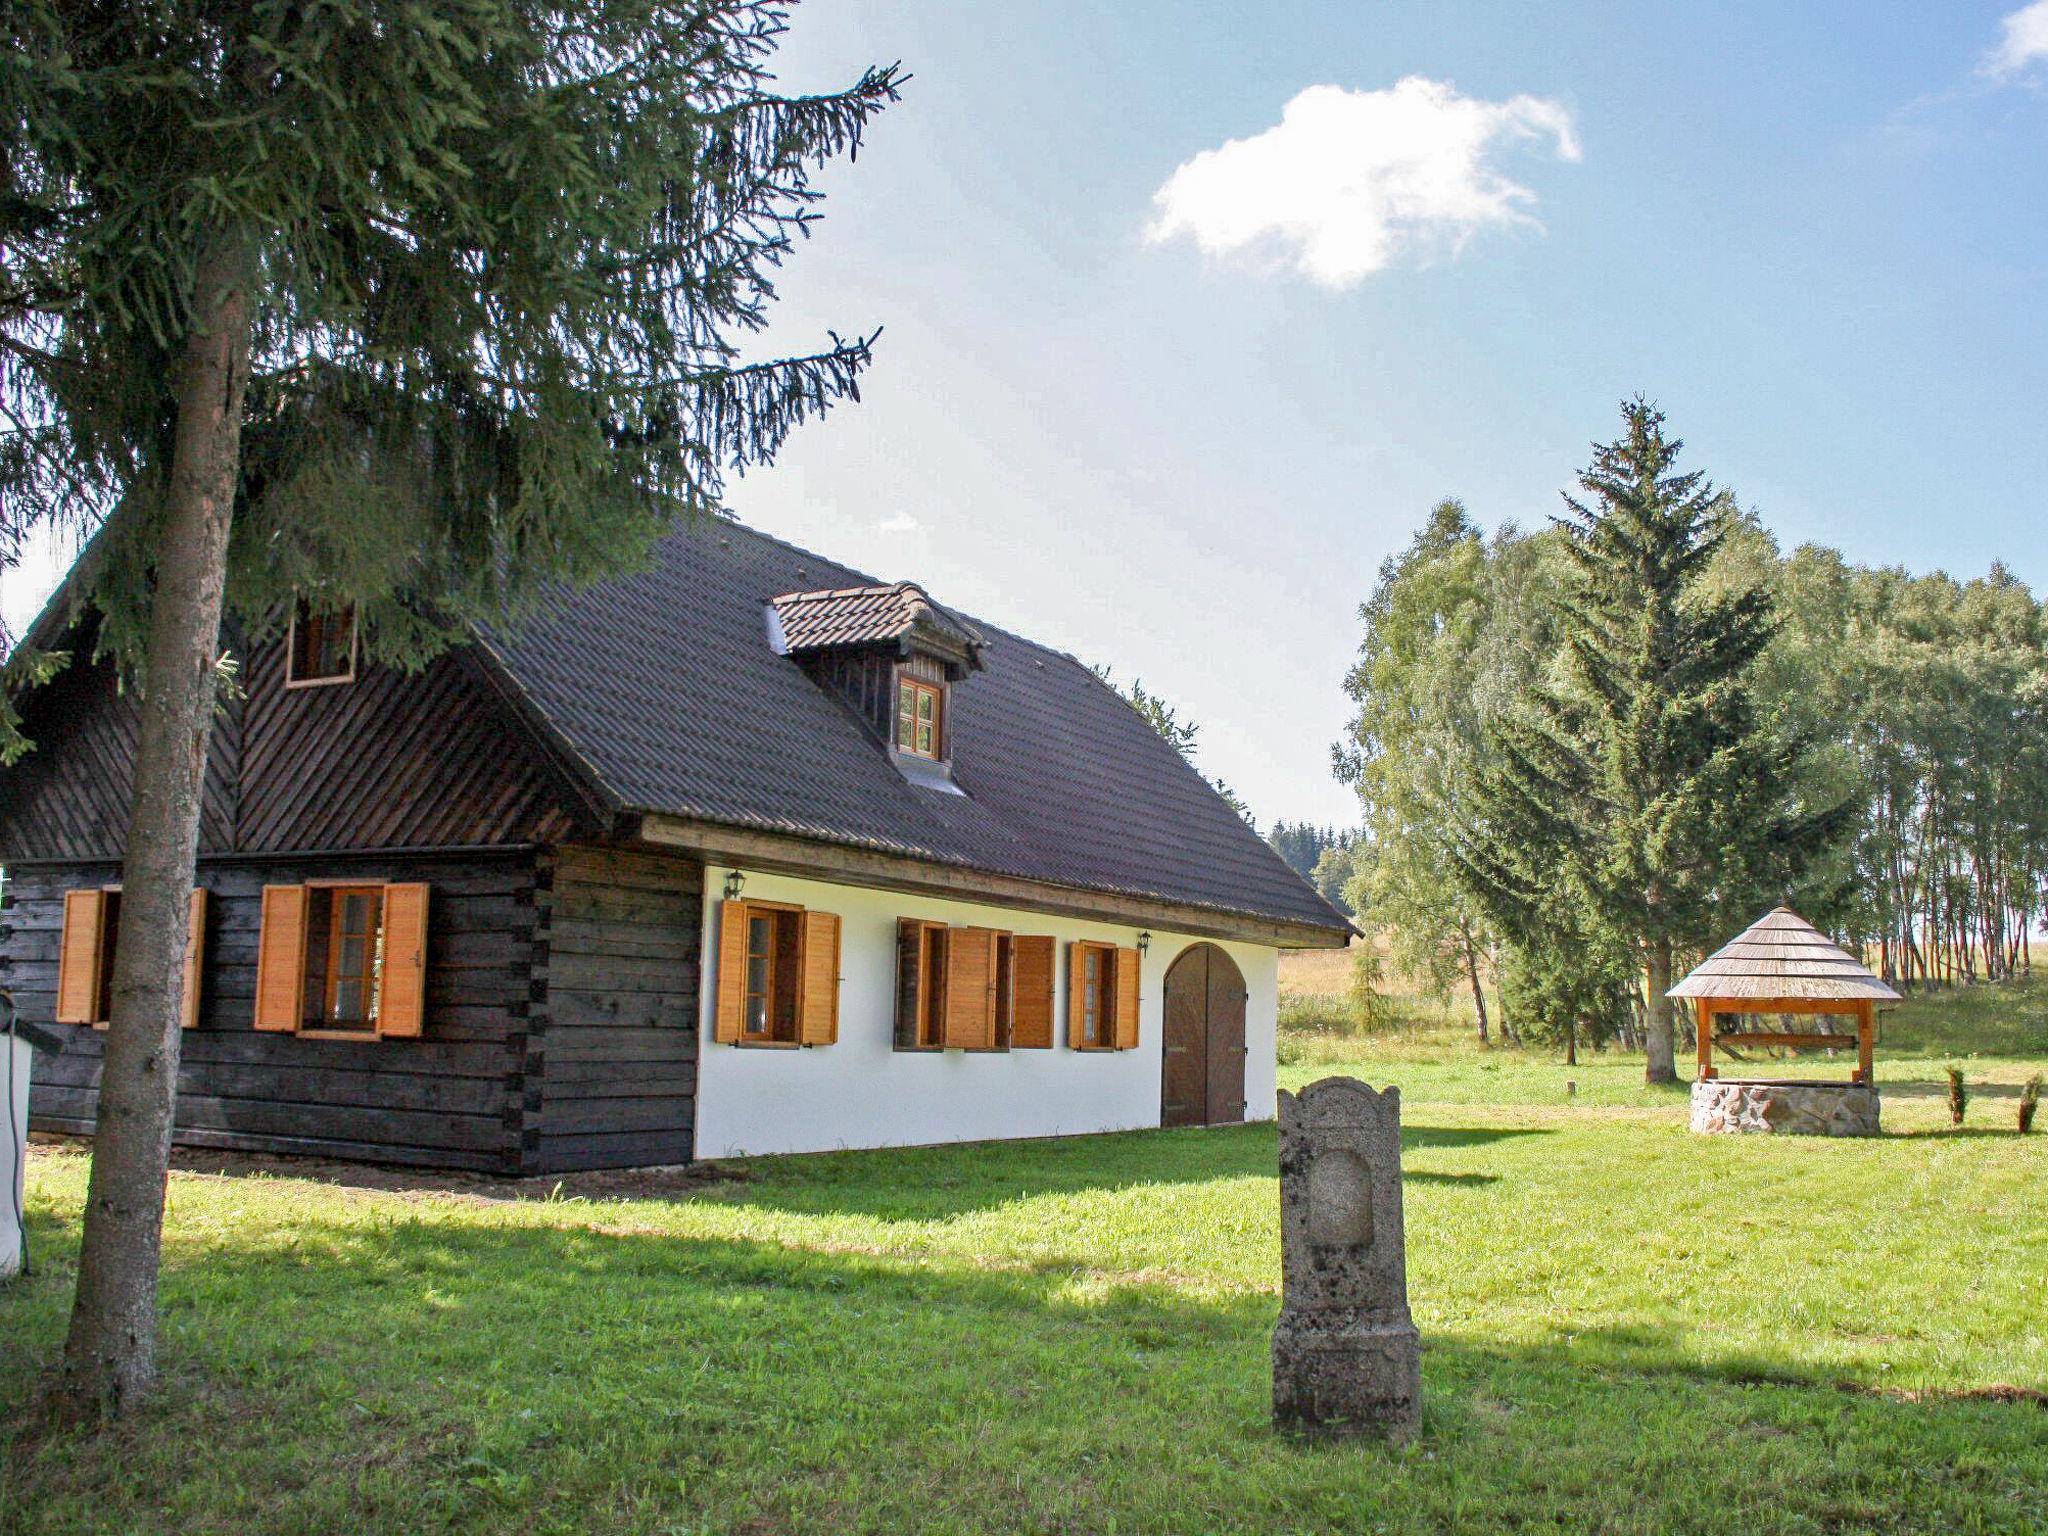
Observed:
{"x":862,"y":1092}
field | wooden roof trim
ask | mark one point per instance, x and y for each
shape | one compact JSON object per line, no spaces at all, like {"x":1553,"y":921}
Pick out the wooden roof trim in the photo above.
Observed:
{"x":839,"y":864}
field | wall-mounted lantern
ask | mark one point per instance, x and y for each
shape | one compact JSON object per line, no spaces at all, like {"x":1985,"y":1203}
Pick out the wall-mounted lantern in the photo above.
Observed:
{"x":735,"y":882}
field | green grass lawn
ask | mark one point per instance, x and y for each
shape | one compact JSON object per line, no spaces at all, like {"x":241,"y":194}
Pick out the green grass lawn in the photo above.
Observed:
{"x":1626,"y":1328}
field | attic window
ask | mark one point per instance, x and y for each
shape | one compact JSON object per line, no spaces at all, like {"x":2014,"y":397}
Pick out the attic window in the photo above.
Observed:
{"x":321,"y":647}
{"x":920,"y":718}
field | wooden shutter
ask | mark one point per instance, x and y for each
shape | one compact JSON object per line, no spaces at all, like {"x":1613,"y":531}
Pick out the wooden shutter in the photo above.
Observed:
{"x":911,"y":981}
{"x":1126,"y":970}
{"x":971,"y":989}
{"x":78,"y":956}
{"x":1033,"y":958}
{"x":817,"y":992}
{"x":1077,"y":992}
{"x":281,"y":959}
{"x":732,"y":972}
{"x":402,"y":991}
{"x":195,"y":955}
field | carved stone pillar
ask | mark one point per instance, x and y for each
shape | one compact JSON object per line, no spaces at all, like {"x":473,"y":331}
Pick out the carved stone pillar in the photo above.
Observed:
{"x":1346,"y":1357}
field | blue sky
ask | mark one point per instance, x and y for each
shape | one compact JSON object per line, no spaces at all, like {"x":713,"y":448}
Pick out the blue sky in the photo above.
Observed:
{"x":1180,"y":437}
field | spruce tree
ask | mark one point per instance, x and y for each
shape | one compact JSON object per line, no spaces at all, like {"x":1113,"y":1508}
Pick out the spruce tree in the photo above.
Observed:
{"x":1645,"y":781}
{"x":412,"y":307}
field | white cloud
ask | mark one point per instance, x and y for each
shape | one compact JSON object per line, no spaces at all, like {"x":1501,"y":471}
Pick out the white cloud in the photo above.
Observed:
{"x":2023,"y":41}
{"x":897,"y":522}
{"x":1350,"y":180}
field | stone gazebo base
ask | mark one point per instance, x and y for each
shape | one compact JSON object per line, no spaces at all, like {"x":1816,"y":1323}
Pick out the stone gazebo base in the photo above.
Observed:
{"x":1788,"y":1106}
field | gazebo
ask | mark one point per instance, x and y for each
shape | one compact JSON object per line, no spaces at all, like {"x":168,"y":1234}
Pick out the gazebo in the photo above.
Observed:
{"x":1783,"y":964}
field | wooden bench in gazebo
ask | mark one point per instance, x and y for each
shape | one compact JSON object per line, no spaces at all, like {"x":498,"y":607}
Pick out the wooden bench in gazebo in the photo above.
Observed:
{"x":1782,"y":964}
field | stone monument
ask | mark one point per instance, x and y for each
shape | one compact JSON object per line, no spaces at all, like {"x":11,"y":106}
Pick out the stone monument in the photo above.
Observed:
{"x":1346,"y":1356}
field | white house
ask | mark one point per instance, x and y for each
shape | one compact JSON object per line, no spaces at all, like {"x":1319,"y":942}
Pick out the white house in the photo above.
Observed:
{"x":747,"y":853}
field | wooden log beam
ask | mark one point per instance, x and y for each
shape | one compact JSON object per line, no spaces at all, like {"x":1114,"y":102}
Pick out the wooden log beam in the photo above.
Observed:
{"x":1812,"y":1042}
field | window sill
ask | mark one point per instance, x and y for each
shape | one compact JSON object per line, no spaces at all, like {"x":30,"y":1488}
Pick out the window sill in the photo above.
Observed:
{"x":766,"y":1045}
{"x":337,"y":1034}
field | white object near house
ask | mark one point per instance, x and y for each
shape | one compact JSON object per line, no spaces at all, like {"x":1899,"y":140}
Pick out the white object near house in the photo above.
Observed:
{"x":13,"y":1136}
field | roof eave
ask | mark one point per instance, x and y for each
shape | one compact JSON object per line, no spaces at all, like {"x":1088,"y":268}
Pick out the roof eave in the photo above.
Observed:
{"x":849,"y":863}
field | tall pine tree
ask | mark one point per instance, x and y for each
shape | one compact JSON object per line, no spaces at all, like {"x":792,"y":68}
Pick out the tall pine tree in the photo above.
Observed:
{"x":414,"y":307}
{"x":1644,"y":781}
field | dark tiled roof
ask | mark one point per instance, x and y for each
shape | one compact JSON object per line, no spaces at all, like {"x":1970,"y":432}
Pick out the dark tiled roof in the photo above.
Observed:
{"x":666,"y":685}
{"x":816,"y":621}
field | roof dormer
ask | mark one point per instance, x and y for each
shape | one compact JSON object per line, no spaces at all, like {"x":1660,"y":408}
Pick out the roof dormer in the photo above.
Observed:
{"x":891,"y":655}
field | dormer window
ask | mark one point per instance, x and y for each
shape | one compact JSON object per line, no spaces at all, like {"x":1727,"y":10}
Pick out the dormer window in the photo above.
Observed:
{"x":890,"y":655}
{"x":920,"y":718}
{"x":321,"y":647}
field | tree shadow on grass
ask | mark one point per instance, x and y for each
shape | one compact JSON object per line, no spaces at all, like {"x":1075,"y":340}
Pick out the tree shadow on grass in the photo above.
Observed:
{"x":898,"y":1183}
{"x":394,"y":1374}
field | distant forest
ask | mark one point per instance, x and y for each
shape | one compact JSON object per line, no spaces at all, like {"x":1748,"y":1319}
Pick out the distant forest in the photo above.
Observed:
{"x":1646,"y":723}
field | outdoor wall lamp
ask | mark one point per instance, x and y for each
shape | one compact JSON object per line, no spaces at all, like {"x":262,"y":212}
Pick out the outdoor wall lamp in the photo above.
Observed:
{"x":1144,"y":944}
{"x":735,"y":882}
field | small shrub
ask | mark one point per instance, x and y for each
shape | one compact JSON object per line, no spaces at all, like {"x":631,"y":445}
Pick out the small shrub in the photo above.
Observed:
{"x":1958,"y":1095}
{"x":2030,"y":1101}
{"x":1368,"y":1003}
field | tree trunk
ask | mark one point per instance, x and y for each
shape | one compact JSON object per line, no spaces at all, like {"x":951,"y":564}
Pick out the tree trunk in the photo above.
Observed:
{"x":110,"y":1356}
{"x":1658,"y":1063}
{"x":1478,"y":992}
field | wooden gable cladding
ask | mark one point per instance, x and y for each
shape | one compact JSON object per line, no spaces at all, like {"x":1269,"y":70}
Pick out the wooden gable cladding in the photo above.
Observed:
{"x":391,"y":760}
{"x":386,"y":760}
{"x":70,"y":798}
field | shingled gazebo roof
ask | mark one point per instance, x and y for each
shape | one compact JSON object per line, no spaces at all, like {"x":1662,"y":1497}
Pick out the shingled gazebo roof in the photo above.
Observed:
{"x":1783,"y":956}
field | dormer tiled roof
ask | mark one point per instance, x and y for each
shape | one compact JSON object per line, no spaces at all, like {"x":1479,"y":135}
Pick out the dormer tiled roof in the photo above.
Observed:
{"x":868,"y":615}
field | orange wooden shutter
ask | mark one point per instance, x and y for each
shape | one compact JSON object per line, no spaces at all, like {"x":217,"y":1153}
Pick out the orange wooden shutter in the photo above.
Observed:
{"x":281,"y":959}
{"x":195,"y":954}
{"x":732,"y":972}
{"x":970,"y":989}
{"x":817,"y":993}
{"x":78,"y":956}
{"x":1031,"y":973}
{"x":1077,"y":991}
{"x":402,"y":991}
{"x":1127,"y":963}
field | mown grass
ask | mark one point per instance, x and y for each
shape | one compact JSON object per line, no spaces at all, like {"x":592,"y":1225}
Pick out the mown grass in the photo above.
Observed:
{"x":1627,"y":1328}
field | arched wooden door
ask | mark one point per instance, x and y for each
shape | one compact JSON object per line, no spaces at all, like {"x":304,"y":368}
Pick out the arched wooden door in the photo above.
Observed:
{"x":1202,"y":1071}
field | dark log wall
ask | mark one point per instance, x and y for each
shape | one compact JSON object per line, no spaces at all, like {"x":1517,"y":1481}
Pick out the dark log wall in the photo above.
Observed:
{"x":612,"y":1060}
{"x":561,"y":990}
{"x":389,"y":760}
{"x":450,"y":1099}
